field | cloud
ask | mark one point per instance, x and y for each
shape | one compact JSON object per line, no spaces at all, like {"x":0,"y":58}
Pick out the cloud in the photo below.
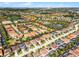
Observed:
{"x":27,"y":3}
{"x":38,"y":4}
{"x":61,"y":5}
{"x":18,"y":3}
{"x":5,"y":2}
{"x":50,"y":5}
{"x":23,"y":4}
{"x":15,"y":4}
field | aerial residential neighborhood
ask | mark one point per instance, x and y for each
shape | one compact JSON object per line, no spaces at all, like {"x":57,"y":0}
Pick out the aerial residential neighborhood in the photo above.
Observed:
{"x":39,"y":32}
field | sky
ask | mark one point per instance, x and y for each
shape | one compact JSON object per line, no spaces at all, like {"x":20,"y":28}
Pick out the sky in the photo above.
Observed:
{"x":38,"y":4}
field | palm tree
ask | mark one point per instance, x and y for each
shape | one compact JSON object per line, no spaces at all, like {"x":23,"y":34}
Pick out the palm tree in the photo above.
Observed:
{"x":69,"y":45}
{"x":66,"y":47}
{"x":62,"y":50}
{"x":31,"y":54}
{"x":59,"y":52}
{"x":77,"y":38}
{"x":56,"y":53}
{"x":26,"y":49}
{"x":52,"y":55}
{"x":32,"y":46}
{"x":12,"y":54}
{"x":19,"y":51}
{"x":72,"y":44}
{"x":42,"y":41}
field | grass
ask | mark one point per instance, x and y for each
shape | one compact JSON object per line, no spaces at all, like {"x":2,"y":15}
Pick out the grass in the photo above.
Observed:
{"x":26,"y":39}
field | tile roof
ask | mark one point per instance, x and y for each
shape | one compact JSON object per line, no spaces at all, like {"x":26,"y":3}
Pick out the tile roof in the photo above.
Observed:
{"x":1,"y":53}
{"x":66,"y":40}
{"x":43,"y":51}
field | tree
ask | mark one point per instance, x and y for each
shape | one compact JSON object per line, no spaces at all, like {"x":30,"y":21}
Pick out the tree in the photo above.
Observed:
{"x":19,"y":51}
{"x":56,"y":53}
{"x":31,"y":46}
{"x":12,"y":54}
{"x":31,"y":53}
{"x":52,"y":55}
{"x":30,"y":30}
{"x":27,"y":39}
{"x":42,"y":41}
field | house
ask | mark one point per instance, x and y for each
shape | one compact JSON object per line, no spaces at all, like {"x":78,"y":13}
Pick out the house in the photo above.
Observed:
{"x":53,"y":46}
{"x":6,"y":22}
{"x":43,"y":52}
{"x":71,"y":36}
{"x":27,"y":44}
{"x":19,"y":35}
{"x":1,"y":45}
{"x":14,"y":47}
{"x":10,"y":31}
{"x":39,"y":41}
{"x":22,"y":46}
{"x":1,"y":53}
{"x":7,"y":51}
{"x":33,"y":42}
{"x":71,"y":55}
{"x":74,"y":52}
{"x":66,"y":40}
